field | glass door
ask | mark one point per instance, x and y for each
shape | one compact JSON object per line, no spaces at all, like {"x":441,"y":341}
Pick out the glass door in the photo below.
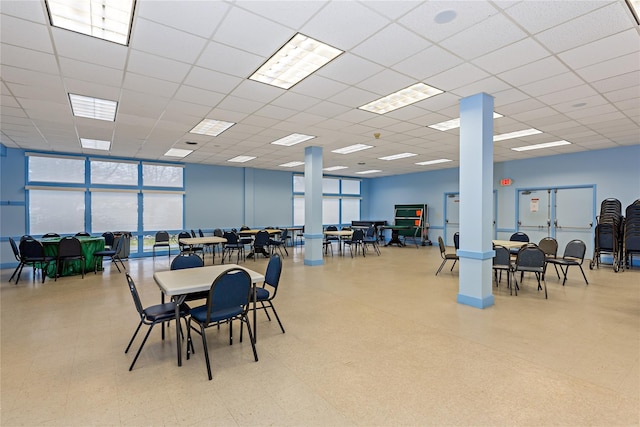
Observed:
{"x":534,"y":213}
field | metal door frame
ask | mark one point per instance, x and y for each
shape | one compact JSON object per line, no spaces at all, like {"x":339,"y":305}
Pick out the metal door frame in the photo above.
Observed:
{"x":495,"y":213}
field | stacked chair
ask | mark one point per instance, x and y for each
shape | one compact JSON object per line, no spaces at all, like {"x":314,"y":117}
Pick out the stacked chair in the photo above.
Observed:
{"x":608,"y":238}
{"x":631,"y":235}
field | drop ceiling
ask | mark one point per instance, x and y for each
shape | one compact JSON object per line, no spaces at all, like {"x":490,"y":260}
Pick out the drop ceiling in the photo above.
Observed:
{"x":568,"y":68}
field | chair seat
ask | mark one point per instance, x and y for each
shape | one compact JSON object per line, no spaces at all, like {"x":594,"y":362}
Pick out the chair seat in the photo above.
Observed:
{"x":561,"y":261}
{"x":200,"y":314}
{"x":108,"y":253}
{"x":160,"y":312}
{"x":262,"y":294}
{"x":450,"y":256}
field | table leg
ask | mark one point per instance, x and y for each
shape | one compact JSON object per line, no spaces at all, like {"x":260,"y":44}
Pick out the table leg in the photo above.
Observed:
{"x":178,"y":300}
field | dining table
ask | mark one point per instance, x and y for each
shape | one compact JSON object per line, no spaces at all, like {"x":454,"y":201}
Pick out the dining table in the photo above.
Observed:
{"x":341,"y":235}
{"x":509,"y":244}
{"x":201,"y":241}
{"x":90,"y":245}
{"x":177,"y":284}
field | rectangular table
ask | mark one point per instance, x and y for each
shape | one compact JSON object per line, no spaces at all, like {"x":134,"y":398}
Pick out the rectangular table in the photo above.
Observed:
{"x":89,"y":246}
{"x":509,"y":244}
{"x":179,"y":283}
{"x":341,"y":235}
{"x":207,"y":240}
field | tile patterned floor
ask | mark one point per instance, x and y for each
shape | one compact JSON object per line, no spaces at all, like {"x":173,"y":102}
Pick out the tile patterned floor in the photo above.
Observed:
{"x":375,"y":341}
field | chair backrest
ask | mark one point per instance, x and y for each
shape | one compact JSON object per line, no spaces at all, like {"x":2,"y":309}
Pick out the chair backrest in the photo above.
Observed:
{"x":135,"y":296}
{"x":530,"y":256}
{"x":244,"y":227}
{"x":371,"y":232}
{"x":14,"y":248}
{"x":358,"y":235}
{"x":274,"y":269}
{"x":119,"y":243}
{"x":31,"y":248}
{"x":549,"y":246}
{"x":200,"y":233}
{"x":218,"y":233}
{"x":284,"y":234}
{"x":456,"y":240}
{"x":108,"y":238}
{"x":186,"y":261}
{"x":69,"y":246}
{"x":443,"y":250}
{"x":503,"y":257}
{"x":162,"y":237}
{"x":230,"y":291}
{"x":50,"y":235}
{"x":262,"y":239}
{"x":232,"y":238}
{"x":519,"y":237}
{"x":193,"y":234}
{"x":575,"y":249}
{"x":83,"y":234}
{"x":26,"y":236}
{"x":332,"y":228}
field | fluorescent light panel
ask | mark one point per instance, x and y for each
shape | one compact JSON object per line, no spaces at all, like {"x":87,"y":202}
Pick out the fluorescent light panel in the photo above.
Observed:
{"x":369,"y":171}
{"x":455,"y":123}
{"x":335,"y":168}
{"x":296,"y":60}
{"x":95,"y":144}
{"x":540,"y":146}
{"x":397,"y":156}
{"x":516,"y":134}
{"x":241,"y":159}
{"x":433,"y":162}
{"x":93,"y":108}
{"x":292,"y":164}
{"x":178,"y":152}
{"x":211,"y":127}
{"x":293,"y":139}
{"x":402,"y":98}
{"x":105,"y":19}
{"x":352,"y":149}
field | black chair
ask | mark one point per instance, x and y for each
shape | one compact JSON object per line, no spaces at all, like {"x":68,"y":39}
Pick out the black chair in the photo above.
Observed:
{"x":355,"y":242}
{"x":50,"y":235}
{"x":280,"y":243}
{"x":531,"y":259}
{"x":502,"y":262}
{"x":217,"y":233}
{"x":16,"y":254}
{"x":108,"y":239}
{"x":261,"y":244}
{"x":207,"y":247}
{"x":32,"y":253}
{"x":518,"y":237}
{"x":245,"y":239}
{"x":331,"y":239}
{"x":573,"y":255}
{"x":151,"y":316}
{"x":456,"y":240}
{"x":113,"y":253}
{"x":233,"y":244}
{"x":228,"y":300}
{"x":69,"y":249}
{"x":162,"y":241}
{"x":266,"y":294}
{"x":445,"y":256}
{"x":83,"y":234}
{"x":370,"y":238}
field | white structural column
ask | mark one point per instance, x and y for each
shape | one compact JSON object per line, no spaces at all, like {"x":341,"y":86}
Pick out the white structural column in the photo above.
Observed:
{"x":476,"y":201}
{"x":313,"y":206}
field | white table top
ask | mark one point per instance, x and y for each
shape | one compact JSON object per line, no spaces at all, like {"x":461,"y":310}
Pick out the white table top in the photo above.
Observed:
{"x":255,"y":231}
{"x":202,"y":240}
{"x":339,"y":233}
{"x":508,"y":243}
{"x":190,"y":280}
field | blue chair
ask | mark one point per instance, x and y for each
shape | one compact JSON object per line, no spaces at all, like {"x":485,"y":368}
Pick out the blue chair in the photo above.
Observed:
{"x":228,"y":300}
{"x":355,"y":241}
{"x":266,"y":294}
{"x":151,"y":316}
{"x":188,"y":261}
{"x":233,"y":244}
{"x":370,"y":238}
{"x":113,"y":253}
{"x":280,"y":243}
{"x":261,"y":244}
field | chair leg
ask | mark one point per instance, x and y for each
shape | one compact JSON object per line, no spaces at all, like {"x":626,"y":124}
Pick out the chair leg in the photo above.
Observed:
{"x":454,"y":264}
{"x":585,"y":277}
{"x":133,"y":337}
{"x":245,"y":319}
{"x":141,"y":345}
{"x":206,"y":351}
{"x":277,"y":317}
{"x":441,"y":265}
{"x":15,"y":271}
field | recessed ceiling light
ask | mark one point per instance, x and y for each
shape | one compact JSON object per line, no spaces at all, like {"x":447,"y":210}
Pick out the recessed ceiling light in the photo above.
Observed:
{"x":293,"y":139}
{"x":211,"y":127}
{"x":93,"y":108}
{"x":178,"y":152}
{"x":297,"y":59}
{"x":433,"y":162}
{"x":352,"y":148}
{"x":241,"y":159}
{"x":539,"y":146}
{"x":369,"y":171}
{"x":397,"y":156}
{"x":516,"y":134}
{"x":335,"y":168}
{"x":95,"y":144}
{"x":402,"y":98}
{"x":291,"y":164}
{"x":105,"y":19}
{"x":455,"y":123}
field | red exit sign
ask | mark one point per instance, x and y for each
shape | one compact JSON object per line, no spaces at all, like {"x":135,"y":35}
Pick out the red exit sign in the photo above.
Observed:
{"x":505,"y":182}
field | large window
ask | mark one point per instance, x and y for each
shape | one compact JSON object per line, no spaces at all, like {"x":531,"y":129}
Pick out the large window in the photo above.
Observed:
{"x":340,"y":200}
{"x":67,"y":194}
